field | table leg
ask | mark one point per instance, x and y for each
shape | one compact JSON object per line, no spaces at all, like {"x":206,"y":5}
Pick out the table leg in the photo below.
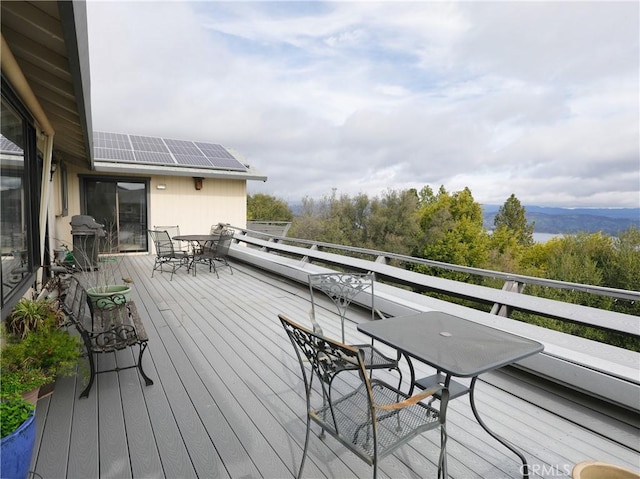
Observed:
{"x":504,"y":442}
{"x":195,"y":249}
{"x":412,"y":380}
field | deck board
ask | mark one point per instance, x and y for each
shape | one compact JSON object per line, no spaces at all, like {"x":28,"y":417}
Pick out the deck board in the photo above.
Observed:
{"x":228,"y":400}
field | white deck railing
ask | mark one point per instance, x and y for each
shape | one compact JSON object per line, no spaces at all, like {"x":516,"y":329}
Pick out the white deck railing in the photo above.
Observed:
{"x":595,"y":368}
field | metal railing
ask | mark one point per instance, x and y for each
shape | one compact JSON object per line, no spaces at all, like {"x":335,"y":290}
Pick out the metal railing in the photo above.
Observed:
{"x":595,"y":368}
{"x":385,"y":257}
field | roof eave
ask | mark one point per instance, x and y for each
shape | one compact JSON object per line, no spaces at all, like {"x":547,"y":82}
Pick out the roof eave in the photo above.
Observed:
{"x":73,"y":17}
{"x":111,"y":167}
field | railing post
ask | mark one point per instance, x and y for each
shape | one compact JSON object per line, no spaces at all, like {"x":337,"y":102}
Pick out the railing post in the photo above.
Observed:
{"x":501,"y":309}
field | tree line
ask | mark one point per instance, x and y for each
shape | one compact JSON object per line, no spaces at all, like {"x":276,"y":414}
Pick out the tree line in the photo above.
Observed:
{"x":448,"y":227}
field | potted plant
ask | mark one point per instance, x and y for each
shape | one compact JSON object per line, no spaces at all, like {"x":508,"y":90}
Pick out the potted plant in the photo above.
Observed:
{"x":36,"y":348}
{"x":28,"y":316}
{"x":105,"y":284}
{"x":18,"y":435}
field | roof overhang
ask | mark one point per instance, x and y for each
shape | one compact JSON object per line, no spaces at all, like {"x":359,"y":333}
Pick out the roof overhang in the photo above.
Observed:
{"x":48,"y":41}
{"x":112,"y":167}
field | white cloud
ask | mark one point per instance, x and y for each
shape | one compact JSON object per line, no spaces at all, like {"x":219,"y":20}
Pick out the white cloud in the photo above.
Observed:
{"x":539,"y":99}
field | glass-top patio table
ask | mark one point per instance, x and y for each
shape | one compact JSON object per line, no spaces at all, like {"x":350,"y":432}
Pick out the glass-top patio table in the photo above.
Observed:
{"x":455,"y":347}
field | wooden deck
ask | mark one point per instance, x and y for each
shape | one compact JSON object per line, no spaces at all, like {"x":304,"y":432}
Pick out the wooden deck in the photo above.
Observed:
{"x":228,"y":401}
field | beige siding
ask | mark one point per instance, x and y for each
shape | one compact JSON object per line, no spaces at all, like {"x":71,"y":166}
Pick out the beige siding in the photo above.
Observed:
{"x":196,"y":210}
{"x":179,"y":203}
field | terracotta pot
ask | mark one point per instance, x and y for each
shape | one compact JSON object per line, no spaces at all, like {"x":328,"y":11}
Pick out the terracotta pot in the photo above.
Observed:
{"x":31,"y":396}
{"x":46,"y":390}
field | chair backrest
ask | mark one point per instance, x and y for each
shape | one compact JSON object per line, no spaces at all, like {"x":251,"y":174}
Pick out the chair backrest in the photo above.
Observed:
{"x":162,"y":242}
{"x":173,"y":230}
{"x":327,"y":359}
{"x":368,"y":416}
{"x":326,"y":356}
{"x":341,"y":288}
{"x":224,"y":243}
{"x":217,"y":228}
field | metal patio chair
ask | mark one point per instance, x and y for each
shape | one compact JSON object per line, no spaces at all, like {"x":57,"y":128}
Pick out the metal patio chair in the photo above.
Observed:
{"x":218,"y":228}
{"x":173,"y":230}
{"x":372,"y":419}
{"x":215,"y":252}
{"x":342,"y":288}
{"x":166,"y":254}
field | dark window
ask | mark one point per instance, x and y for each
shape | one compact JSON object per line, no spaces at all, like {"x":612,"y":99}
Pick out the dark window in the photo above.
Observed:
{"x":120,"y":204}
{"x":19,"y":201}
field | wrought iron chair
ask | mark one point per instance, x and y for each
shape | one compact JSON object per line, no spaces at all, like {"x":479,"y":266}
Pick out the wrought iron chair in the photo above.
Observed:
{"x":166,"y":255}
{"x":218,"y":228}
{"x":342,"y":288}
{"x":215,"y":252}
{"x":173,"y":230}
{"x":373,"y":418}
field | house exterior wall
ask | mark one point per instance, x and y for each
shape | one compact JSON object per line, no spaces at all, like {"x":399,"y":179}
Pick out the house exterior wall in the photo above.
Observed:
{"x":196,"y":210}
{"x":179,"y":203}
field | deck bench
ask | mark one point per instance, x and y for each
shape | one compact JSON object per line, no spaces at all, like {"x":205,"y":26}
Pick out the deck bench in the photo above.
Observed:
{"x":105,"y":330}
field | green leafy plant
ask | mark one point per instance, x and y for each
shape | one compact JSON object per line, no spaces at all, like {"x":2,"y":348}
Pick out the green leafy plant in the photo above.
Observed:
{"x":53,"y":349}
{"x":13,"y":412}
{"x":29,"y":315}
{"x":35,"y":355}
{"x":19,"y":382}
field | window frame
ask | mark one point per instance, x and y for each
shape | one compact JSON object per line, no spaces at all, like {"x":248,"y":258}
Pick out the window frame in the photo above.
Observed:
{"x":31,"y":191}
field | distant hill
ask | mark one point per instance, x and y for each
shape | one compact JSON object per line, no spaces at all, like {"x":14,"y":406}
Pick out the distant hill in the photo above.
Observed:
{"x":574,"y":220}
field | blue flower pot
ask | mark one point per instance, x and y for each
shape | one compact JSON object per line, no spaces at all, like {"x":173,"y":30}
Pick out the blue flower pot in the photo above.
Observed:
{"x":17,"y":448}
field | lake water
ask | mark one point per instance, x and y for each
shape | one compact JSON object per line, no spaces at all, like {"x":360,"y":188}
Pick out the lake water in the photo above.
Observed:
{"x":544,"y":237}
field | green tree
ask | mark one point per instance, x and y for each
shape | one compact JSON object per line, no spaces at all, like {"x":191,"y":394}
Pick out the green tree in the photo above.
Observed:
{"x":307,"y":224}
{"x":624,"y":272}
{"x":333,"y":219}
{"x":505,"y":252}
{"x":393,"y":222}
{"x":453,"y":230}
{"x":347,"y":219}
{"x":582,"y":258}
{"x":512,"y":216}
{"x":262,"y":207}
{"x":624,"y":269}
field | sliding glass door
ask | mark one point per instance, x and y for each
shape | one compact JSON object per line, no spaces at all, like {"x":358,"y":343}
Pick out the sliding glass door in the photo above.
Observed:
{"x":121,"y":206}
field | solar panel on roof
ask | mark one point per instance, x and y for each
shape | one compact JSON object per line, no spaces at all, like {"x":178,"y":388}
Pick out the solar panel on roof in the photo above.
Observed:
{"x":116,"y":141}
{"x":212,"y":150}
{"x":148,"y":143}
{"x":182,"y":147}
{"x":220,"y":157}
{"x":192,"y":160}
{"x":113,"y":154}
{"x":227,"y":164}
{"x":118,"y":147}
{"x":153,"y":157}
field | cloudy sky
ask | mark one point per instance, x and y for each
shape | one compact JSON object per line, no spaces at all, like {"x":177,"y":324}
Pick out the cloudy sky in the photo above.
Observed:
{"x":539,"y":99}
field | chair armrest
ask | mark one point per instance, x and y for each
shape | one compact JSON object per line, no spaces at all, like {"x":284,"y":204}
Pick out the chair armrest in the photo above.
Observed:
{"x":410,"y":401}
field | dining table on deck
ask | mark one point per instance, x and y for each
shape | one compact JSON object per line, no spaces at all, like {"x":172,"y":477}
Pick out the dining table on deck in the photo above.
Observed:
{"x":197,"y":243}
{"x":455,"y":348}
